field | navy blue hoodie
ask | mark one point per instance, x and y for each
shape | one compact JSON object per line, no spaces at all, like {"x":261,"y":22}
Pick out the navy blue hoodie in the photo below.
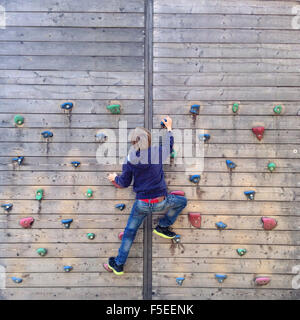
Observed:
{"x":145,"y":167}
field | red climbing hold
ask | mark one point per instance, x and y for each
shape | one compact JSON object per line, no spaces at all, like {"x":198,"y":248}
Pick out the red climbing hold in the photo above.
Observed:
{"x":26,"y":222}
{"x":178,"y":193}
{"x":195,"y":219}
{"x":116,"y":185}
{"x":258,"y":131}
{"x":261,"y":281}
{"x":120,"y":235}
{"x":269,"y":223}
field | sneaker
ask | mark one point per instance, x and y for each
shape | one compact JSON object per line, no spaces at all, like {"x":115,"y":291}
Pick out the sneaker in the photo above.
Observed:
{"x":164,"y":232}
{"x":117,"y":269}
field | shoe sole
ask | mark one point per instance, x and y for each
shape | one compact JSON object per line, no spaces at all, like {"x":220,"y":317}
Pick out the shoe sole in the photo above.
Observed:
{"x":163,"y":235}
{"x":115,"y":271}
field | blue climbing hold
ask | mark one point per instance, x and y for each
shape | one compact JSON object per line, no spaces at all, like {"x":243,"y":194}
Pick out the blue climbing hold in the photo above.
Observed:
{"x":19,"y":160}
{"x":16,"y":280}
{"x":250,"y":194}
{"x":75,"y":164}
{"x":195,"y":109}
{"x":179,"y":280}
{"x":220,"y":277}
{"x":177,"y":238}
{"x":120,"y":206}
{"x":67,"y":106}
{"x":162,"y":124}
{"x":68,"y":268}
{"x":47,"y":134}
{"x":101,"y":137}
{"x":66,"y":222}
{"x":7,"y":206}
{"x":221,"y":225}
{"x":230,"y":164}
{"x":195,"y":178}
{"x":204,"y":137}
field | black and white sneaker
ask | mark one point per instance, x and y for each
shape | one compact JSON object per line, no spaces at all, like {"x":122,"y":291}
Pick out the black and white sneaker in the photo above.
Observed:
{"x":164,"y":232}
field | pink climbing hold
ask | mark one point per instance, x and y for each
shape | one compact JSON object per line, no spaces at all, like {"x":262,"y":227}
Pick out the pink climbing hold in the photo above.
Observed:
{"x":195,"y":219}
{"x":120,"y":236}
{"x":105,"y":266}
{"x":258,"y":131}
{"x":26,"y":222}
{"x":178,"y":193}
{"x":262,"y":281}
{"x":268,"y":223}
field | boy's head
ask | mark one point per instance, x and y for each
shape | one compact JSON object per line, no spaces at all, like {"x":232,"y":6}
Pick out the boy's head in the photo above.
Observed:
{"x":140,"y":138}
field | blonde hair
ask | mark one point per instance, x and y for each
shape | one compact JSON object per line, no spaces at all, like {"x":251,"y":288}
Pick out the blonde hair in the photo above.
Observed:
{"x":140,"y":138}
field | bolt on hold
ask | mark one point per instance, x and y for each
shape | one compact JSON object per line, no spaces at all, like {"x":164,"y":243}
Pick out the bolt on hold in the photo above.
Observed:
{"x":26,"y":222}
{"x":180,"y":280}
{"x":47,"y":134}
{"x":89,"y":193}
{"x":241,"y":252}
{"x":16,"y":280}
{"x":271,"y":166}
{"x":19,"y":120}
{"x":195,"y":219}
{"x":120,"y":235}
{"x":235,"y":107}
{"x":173,"y":154}
{"x":221,"y":225}
{"x":204,"y":137}
{"x":195,"y":178}
{"x":250,"y":194}
{"x":268,"y":223}
{"x":39,"y":194}
{"x":262,"y":281}
{"x":195,"y":109}
{"x":120,"y":206}
{"x":278,"y":109}
{"x":176,"y":239}
{"x":75,"y":164}
{"x":259,"y":132}
{"x":230,"y":164}
{"x":68,"y":268}
{"x":7,"y":206}
{"x":114,"y":108}
{"x":18,"y":160}
{"x":101,"y":137}
{"x":41,"y":251}
{"x":221,"y":277}
{"x":67,"y":223}
{"x":91,"y":236}
{"x":162,"y":123}
{"x":67,"y":105}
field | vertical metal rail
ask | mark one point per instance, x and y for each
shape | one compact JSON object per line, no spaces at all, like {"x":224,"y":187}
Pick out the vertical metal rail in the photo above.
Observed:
{"x":148,"y":65}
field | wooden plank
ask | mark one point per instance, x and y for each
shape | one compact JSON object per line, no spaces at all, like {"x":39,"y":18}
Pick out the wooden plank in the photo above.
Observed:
{"x":259,"y":108}
{"x":96,"y":20}
{"x":207,"y":280}
{"x":223,"y":250}
{"x":227,"y":50}
{"x":74,"y":6}
{"x":71,"y":48}
{"x":72,"y":293}
{"x":68,"y":63}
{"x":76,"y":205}
{"x":171,"y":293}
{"x":72,"y":34}
{"x":235,"y":179}
{"x":86,"y":78}
{"x":171,"y":264}
{"x":224,"y":79}
{"x":227,"y":65}
{"x":24,"y":106}
{"x":219,"y":6}
{"x":225,"y":36}
{"x":228,"y":21}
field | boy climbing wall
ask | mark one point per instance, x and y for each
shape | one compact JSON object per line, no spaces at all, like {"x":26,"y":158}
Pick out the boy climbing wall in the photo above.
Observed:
{"x":145,"y":166}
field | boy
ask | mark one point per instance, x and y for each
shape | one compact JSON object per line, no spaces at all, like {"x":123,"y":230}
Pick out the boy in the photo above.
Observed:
{"x":145,"y":165}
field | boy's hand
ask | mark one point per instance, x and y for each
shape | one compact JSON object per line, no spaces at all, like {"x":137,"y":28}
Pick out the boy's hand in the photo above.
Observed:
{"x":168,"y":122}
{"x":111,"y":177}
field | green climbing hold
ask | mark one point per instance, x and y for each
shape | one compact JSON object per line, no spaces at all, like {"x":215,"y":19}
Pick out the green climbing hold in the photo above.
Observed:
{"x":277,"y":109}
{"x":41,"y":251}
{"x":235,"y":107}
{"x":271,"y":166}
{"x":241,"y":252}
{"x":39,"y":194}
{"x":89,"y":193}
{"x":173,"y":154}
{"x":19,"y":120}
{"x":91,"y":236}
{"x":114,"y":108}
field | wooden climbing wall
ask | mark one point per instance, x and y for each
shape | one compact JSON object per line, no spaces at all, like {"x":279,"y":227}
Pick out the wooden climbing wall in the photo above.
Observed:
{"x":217,"y":53}
{"x":213,"y":53}
{"x":88,"y":52}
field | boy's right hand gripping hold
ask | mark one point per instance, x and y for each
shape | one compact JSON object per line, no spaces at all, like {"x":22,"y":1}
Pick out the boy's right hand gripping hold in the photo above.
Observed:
{"x":167,"y":121}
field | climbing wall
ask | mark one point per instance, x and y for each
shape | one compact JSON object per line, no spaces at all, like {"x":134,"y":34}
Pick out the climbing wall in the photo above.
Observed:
{"x":216,"y":54}
{"x":91,"y":54}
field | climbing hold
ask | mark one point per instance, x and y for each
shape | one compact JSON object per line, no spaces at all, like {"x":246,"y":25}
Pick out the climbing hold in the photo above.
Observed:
{"x":47,"y":134}
{"x":120,"y":206}
{"x":261,"y":281}
{"x":230,"y":164}
{"x":258,"y":131}
{"x":68,"y":268}
{"x":75,"y":164}
{"x":195,"y":109}
{"x":67,"y":223}
{"x":39,"y":194}
{"x":241,"y":252}
{"x":278,"y":109}
{"x":235,"y":107}
{"x":221,"y":277}
{"x":176,"y":239}
{"x":204,"y":137}
{"x":114,"y":108}
{"x":16,"y":280}
{"x":105,"y":266}
{"x":42,"y":251}
{"x":268,"y":223}
{"x":250,"y":194}
{"x":7,"y":206}
{"x":91,"y":236}
{"x":178,"y":193}
{"x":173,"y":154}
{"x":101,"y":137}
{"x":195,"y":219}
{"x":195,"y":178}
{"x":19,"y":160}
{"x":19,"y":120}
{"x":26,"y":222}
{"x":271,"y":166}
{"x":221,"y":225}
{"x":179,"y":280}
{"x":120,"y":235}
{"x":89,"y":193}
{"x":162,"y":124}
{"x":67,"y":106}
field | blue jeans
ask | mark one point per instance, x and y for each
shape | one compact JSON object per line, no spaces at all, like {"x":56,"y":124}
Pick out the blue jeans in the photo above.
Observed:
{"x":173,"y":203}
